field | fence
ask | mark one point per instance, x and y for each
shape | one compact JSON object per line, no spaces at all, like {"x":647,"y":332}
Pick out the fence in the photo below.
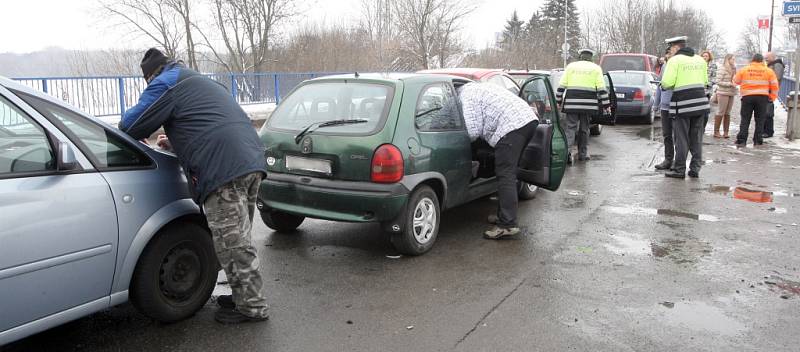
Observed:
{"x":106,"y":96}
{"x":787,"y":85}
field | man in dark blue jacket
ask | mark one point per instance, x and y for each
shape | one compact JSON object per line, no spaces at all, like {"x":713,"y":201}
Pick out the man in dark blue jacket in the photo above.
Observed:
{"x":223,"y":159}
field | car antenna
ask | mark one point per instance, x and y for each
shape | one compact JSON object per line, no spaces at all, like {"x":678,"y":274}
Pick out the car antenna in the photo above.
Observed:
{"x":356,"y":74}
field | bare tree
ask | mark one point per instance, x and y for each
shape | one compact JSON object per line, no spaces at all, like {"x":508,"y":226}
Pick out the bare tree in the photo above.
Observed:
{"x":247,"y":29}
{"x":182,"y":9}
{"x":429,"y":29}
{"x":155,"y":19}
{"x":749,"y":39}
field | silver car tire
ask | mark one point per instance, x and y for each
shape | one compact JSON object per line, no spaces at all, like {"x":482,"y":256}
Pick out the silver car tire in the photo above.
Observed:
{"x":176,"y":273}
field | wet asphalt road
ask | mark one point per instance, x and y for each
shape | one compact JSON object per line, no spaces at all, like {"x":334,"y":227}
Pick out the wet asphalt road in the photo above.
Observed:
{"x":618,"y":259}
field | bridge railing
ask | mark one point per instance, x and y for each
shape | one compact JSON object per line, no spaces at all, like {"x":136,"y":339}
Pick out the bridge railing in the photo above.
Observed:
{"x":112,"y":95}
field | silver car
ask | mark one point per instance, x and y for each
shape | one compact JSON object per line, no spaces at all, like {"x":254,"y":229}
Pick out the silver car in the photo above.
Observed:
{"x":90,"y":218}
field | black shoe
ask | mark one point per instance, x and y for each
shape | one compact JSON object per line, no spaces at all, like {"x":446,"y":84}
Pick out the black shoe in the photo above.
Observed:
{"x":694,"y":174}
{"x":674,"y":174}
{"x":231,"y":316}
{"x":225,"y":301}
{"x":665,"y":165}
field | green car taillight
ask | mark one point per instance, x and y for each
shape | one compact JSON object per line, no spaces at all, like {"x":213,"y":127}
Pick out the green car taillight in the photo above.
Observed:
{"x":387,"y":164}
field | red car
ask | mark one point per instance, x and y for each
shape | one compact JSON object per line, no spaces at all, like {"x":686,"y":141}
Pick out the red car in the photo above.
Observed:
{"x":496,"y":76}
{"x":628,"y":62}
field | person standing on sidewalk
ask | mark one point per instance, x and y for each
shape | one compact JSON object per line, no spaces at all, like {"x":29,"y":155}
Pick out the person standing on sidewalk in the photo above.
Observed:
{"x":726,"y":91}
{"x":712,"y":79}
{"x":663,"y":98}
{"x":686,"y":75}
{"x":223,"y":159}
{"x":759,"y":87}
{"x":777,"y":66}
{"x":507,"y":123}
{"x":581,"y":94}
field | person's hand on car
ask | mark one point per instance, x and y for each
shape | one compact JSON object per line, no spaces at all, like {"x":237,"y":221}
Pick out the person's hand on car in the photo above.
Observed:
{"x":163,"y":142}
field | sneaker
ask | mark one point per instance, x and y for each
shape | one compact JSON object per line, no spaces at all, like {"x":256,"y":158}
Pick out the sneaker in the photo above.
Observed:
{"x":226,"y":301}
{"x":232,"y":316}
{"x":665,"y":165}
{"x":498,"y":232}
{"x":674,"y":174}
{"x":694,"y":174}
{"x":492,"y":219}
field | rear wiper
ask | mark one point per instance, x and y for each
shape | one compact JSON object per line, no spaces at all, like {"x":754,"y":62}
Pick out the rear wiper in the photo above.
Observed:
{"x":314,"y":126}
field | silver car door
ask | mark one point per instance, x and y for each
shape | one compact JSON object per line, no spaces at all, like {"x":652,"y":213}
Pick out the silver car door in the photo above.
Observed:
{"x":58,"y":223}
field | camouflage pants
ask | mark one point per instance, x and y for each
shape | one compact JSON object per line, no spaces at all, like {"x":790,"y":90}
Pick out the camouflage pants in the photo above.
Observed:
{"x":229,"y":211}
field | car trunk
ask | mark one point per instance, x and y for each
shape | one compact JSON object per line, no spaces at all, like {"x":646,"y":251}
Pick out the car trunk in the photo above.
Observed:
{"x":625,"y":93}
{"x":341,"y":152}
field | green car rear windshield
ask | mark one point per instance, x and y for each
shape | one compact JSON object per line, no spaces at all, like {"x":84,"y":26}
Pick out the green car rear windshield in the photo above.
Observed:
{"x":328,"y":101}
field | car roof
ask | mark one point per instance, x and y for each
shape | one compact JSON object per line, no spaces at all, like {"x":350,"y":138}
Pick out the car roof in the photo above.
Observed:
{"x":471,"y":73}
{"x":388,"y":77}
{"x":631,"y":71}
{"x":527,"y":72}
{"x":628,"y":54}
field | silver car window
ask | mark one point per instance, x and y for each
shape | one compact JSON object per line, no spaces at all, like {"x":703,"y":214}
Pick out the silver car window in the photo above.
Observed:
{"x":104,"y":148}
{"x":24,"y":147}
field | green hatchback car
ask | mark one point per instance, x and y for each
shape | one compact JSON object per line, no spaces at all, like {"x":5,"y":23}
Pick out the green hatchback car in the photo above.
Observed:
{"x":393,"y":149}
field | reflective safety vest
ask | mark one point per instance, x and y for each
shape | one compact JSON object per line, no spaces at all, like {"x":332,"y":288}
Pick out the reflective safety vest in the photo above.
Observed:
{"x":755,"y":79}
{"x":582,"y":89}
{"x":687,"y":76}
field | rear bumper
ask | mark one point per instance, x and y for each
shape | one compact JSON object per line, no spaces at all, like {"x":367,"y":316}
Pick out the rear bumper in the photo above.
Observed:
{"x":633,"y":109}
{"x":331,"y":199}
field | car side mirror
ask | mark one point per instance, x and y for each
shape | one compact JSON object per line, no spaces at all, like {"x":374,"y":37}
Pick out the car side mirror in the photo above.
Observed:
{"x":66,"y":158}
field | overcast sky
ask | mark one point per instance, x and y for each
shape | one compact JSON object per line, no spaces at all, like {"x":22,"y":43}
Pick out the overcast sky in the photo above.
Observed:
{"x":31,"y":25}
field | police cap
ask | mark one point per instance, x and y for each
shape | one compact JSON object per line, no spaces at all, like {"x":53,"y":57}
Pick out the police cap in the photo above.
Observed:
{"x":586,"y":51}
{"x":676,"y":40}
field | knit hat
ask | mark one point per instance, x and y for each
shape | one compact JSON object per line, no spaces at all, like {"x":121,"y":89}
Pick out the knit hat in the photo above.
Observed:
{"x":153,"y":59}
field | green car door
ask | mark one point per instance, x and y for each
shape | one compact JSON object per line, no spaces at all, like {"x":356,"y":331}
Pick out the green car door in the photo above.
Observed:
{"x":544,"y":159}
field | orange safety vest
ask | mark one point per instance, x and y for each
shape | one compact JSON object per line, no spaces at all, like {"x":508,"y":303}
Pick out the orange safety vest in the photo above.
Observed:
{"x":757,"y":79}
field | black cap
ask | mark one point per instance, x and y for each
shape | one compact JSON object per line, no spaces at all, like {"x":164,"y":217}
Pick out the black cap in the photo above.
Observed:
{"x":758,"y":58}
{"x":153,"y":59}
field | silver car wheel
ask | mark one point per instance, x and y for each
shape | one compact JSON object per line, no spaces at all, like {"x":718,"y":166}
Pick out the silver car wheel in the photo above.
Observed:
{"x":424,"y":222}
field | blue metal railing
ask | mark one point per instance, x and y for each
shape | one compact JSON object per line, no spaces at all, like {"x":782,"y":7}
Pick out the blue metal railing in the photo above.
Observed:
{"x":112,"y":95}
{"x":787,"y":85}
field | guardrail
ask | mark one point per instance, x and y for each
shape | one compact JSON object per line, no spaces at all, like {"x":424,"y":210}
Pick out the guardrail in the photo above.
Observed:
{"x":787,"y":85}
{"x":112,"y":95}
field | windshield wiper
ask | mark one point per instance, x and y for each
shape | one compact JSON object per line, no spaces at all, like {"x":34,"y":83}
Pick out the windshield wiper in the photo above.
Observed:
{"x":428,"y":111}
{"x":316,"y":125}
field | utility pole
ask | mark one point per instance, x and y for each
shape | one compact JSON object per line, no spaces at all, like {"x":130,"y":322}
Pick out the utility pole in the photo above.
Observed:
{"x":564,"y":48}
{"x":771,"y":25}
{"x":641,"y":36}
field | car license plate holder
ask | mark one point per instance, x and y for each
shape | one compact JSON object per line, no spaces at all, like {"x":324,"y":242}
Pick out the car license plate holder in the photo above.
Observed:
{"x":621,"y":95}
{"x":298,"y":163}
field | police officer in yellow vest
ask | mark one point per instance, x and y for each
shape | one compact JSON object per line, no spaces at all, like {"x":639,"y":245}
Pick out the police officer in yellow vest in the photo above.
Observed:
{"x":581,"y":94}
{"x":686,"y":75}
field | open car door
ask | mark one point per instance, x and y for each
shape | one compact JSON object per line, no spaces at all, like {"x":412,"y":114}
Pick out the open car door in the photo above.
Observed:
{"x":603,"y":118}
{"x":544,"y":159}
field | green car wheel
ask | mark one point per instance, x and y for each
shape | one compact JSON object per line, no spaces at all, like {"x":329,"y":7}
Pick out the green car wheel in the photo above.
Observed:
{"x":281,"y":221}
{"x":421,"y":223}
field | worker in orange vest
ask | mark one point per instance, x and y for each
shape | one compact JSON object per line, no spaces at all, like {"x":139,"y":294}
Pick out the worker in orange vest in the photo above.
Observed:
{"x":759,"y":87}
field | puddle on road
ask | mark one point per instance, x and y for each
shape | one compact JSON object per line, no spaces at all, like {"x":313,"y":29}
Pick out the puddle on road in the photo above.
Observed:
{"x":720,"y":161}
{"x":746,"y":191}
{"x":700,"y":316}
{"x":687,"y":250}
{"x":752,"y":195}
{"x":632,"y":210}
{"x":651,"y":134}
{"x":628,"y":244}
